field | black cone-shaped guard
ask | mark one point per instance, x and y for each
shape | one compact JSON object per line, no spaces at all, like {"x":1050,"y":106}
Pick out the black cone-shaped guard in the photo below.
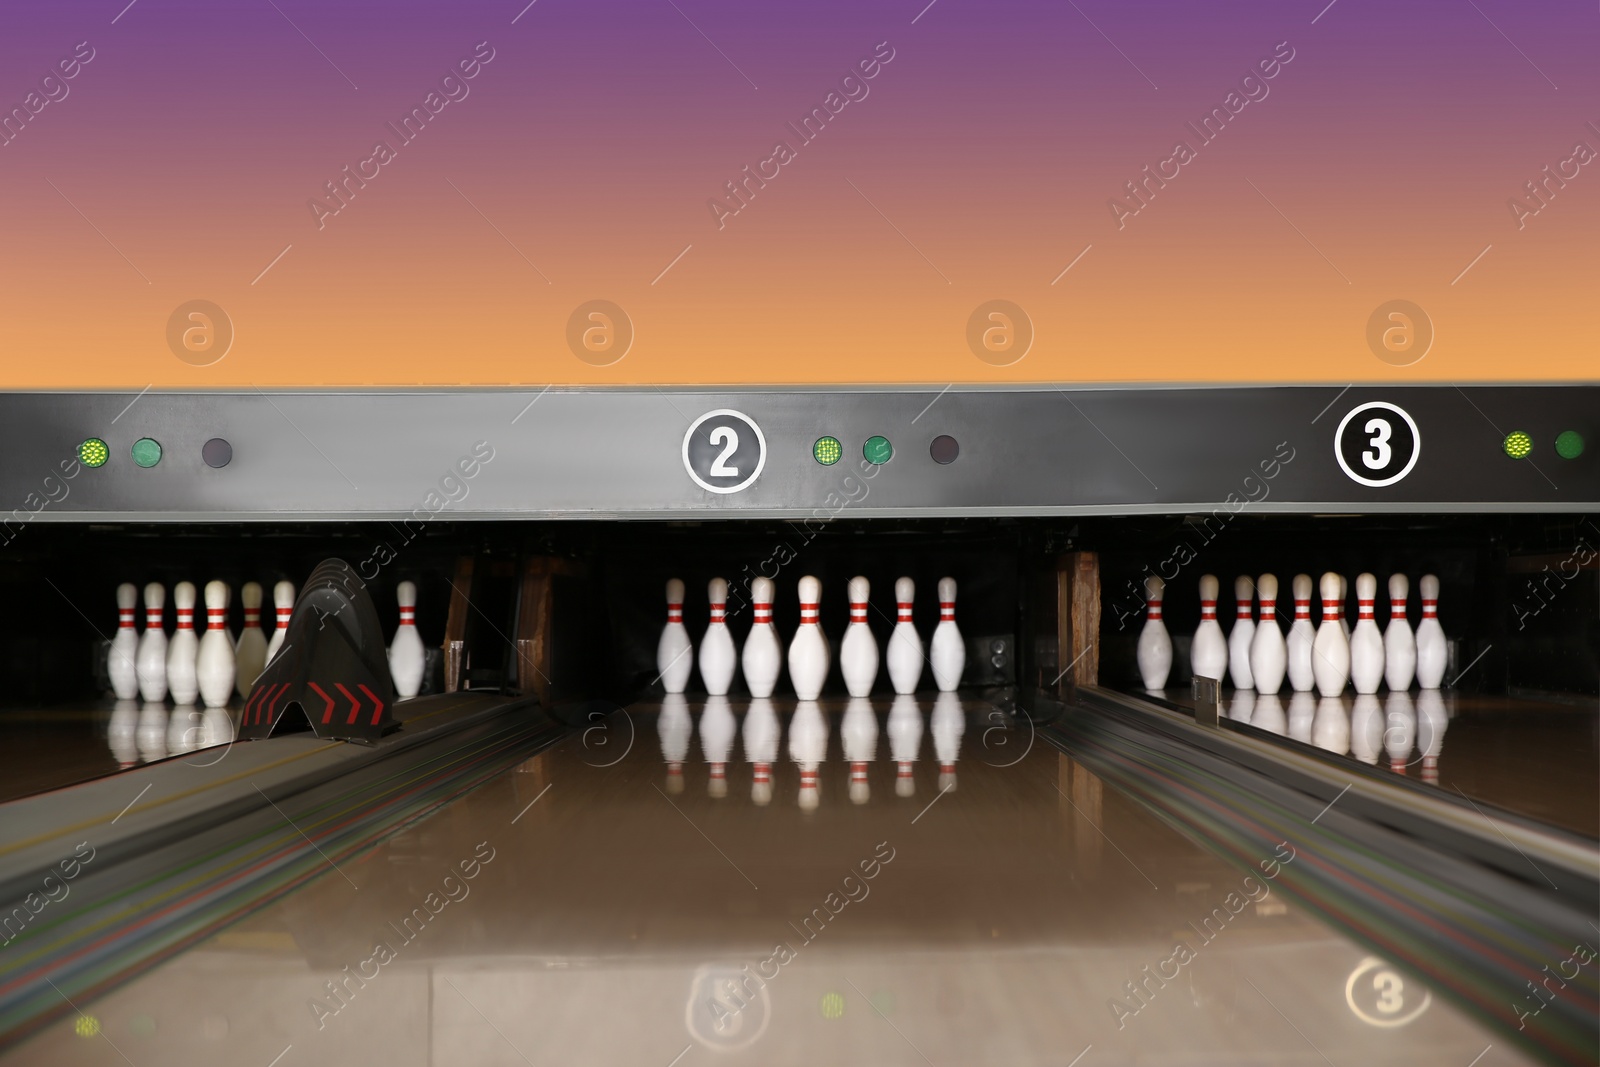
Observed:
{"x":332,"y":664}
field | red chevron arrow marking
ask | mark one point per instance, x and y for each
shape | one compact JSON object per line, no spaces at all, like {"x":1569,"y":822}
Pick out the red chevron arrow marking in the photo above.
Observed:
{"x":355,"y":705}
{"x":377,"y":711}
{"x":327,"y":713}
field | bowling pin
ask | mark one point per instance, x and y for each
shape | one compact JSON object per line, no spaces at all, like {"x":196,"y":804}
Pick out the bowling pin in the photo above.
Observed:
{"x":121,"y":661}
{"x":1268,"y":653}
{"x":859,"y":732}
{"x":407,"y":658}
{"x":1302,"y":712}
{"x":1399,"y":729}
{"x":1399,"y":644}
{"x":761,"y":732}
{"x":947,"y":652}
{"x":1268,"y":714}
{"x":1432,"y":720}
{"x":718,"y":658}
{"x":858,"y":652}
{"x":808,"y":652}
{"x":674,"y":653}
{"x":215,"y":666}
{"x":1432,"y":650}
{"x":1208,"y":650}
{"x":1366,"y":643}
{"x":1244,"y":632}
{"x":1330,"y":652}
{"x":905,"y":738}
{"x":1330,"y":727}
{"x":1297,"y":648}
{"x":675,"y":728}
{"x":905,"y":644}
{"x":1344,"y":593}
{"x":948,"y":723}
{"x":250,"y":654}
{"x":808,"y":747}
{"x":1154,"y":654}
{"x":718,"y":728}
{"x":1366,"y":718}
{"x":122,"y":732}
{"x":183,"y":648}
{"x":283,"y":603}
{"x":762,"y":658}
{"x":150,"y":660}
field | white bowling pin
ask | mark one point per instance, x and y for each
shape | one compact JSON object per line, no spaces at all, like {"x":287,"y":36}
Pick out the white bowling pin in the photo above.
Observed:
{"x":1399,"y":643}
{"x":1302,"y":712}
{"x":1344,"y":594}
{"x":250,"y":654}
{"x":1330,"y":652}
{"x":1302,"y":634}
{"x":1399,"y":728}
{"x":674,"y":652}
{"x":905,"y":739}
{"x":1269,"y":656}
{"x":1154,"y":654}
{"x":947,"y":652}
{"x":283,"y":604}
{"x":122,"y":732}
{"x":183,"y":648}
{"x":675,"y":728}
{"x":150,"y":660}
{"x":1242,"y":634}
{"x":1268,"y":714}
{"x":1366,"y":643}
{"x":1330,"y":727}
{"x":762,"y":658}
{"x":1432,"y":720}
{"x":215,"y":666}
{"x":151,"y":732}
{"x":718,"y":728}
{"x":122,"y":660}
{"x":1432,"y":649}
{"x":947,"y":724}
{"x":718,"y":657}
{"x":407,"y":657}
{"x":761,"y":734}
{"x":859,"y":732}
{"x":1366,"y":719}
{"x":1208,"y":649}
{"x":808,"y":747}
{"x":808,"y":652}
{"x":858,"y":652}
{"x":905,"y":644}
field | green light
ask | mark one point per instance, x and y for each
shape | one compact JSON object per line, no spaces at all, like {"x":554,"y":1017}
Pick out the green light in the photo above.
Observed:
{"x":94,"y":453}
{"x":147,"y":452}
{"x":1517,"y":444}
{"x":1569,"y":444}
{"x":832,"y":1006}
{"x":827,"y":451}
{"x":877,"y":450}
{"x":86,"y":1026}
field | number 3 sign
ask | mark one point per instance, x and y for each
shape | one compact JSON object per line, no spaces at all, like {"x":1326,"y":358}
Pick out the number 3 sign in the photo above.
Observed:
{"x":1377,"y":444}
{"x":724,"y":451}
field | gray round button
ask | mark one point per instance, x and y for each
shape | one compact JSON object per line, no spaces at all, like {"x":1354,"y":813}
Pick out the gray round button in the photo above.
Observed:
{"x":216,"y":452}
{"x":944,"y":449}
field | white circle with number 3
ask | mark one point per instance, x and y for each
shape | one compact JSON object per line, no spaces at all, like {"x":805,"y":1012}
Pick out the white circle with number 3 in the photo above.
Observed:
{"x":1392,"y":1004}
{"x":725,"y":440}
{"x":1379,"y":452}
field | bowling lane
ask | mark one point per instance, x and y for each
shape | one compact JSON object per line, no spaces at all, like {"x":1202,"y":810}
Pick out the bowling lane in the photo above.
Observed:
{"x":599,"y":905}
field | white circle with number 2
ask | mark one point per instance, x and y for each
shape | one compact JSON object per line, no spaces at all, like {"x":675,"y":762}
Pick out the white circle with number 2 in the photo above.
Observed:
{"x":1378,"y":453}
{"x":726,"y":440}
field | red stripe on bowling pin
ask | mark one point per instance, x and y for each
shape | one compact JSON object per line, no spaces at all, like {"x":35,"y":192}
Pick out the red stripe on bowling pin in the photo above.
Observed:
{"x":216,"y":618}
{"x":1208,"y":609}
{"x":674,"y":612}
{"x":1397,"y":608}
{"x":1302,"y":609}
{"x":947,"y":611}
{"x":763,"y":613}
{"x":185,"y":619}
{"x":1364,"y":609}
{"x":252,"y":618}
{"x":904,"y":611}
{"x":763,"y":772}
{"x":1155,"y":609}
{"x":1243,"y":610}
{"x":1269,"y":608}
{"x":858,"y":613}
{"x":152,"y":618}
{"x":808,"y":614}
{"x":1331,"y":610}
{"x":1430,"y":608}
{"x":125,"y":619}
{"x":719,"y":612}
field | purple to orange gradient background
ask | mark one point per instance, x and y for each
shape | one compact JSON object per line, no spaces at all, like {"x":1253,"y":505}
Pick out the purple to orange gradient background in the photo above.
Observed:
{"x":978,"y":167}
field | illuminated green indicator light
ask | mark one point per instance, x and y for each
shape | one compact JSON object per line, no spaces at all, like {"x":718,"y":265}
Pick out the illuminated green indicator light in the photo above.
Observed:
{"x":1517,"y":444}
{"x":86,"y":1026}
{"x":877,"y":450}
{"x":827,"y":451}
{"x":94,"y":453}
{"x":147,"y":452}
{"x":1569,"y":445}
{"x":832,"y":1006}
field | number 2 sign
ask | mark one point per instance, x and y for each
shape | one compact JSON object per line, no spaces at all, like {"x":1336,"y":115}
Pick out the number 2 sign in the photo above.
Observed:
{"x":1377,"y":444}
{"x":724,"y":451}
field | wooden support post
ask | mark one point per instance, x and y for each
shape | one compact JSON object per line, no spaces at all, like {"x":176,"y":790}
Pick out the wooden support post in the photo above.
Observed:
{"x":535,"y":669}
{"x":1077,"y":622}
{"x":455,"y":627}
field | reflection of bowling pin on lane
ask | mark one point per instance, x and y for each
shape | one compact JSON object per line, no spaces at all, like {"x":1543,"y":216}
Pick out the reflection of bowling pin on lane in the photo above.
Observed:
{"x":905,"y":644}
{"x":151,"y":732}
{"x":150,"y":660}
{"x":1154,"y":654}
{"x":1302,"y":635}
{"x":1366,"y":724}
{"x":762,"y":658}
{"x":948,"y":723}
{"x":1208,"y":649}
{"x":407,"y":659}
{"x":1432,"y":650}
{"x":905,"y":738}
{"x":121,"y":660}
{"x":1330,"y":652}
{"x":122,"y":732}
{"x":808,"y":747}
{"x":1302,"y":710}
{"x":1366,"y":643}
{"x":717,"y":730}
{"x":675,"y":727}
{"x":214,"y":663}
{"x":283,"y":605}
{"x":674,"y":653}
{"x":1244,"y":632}
{"x":216,"y":727}
{"x":947,"y":652}
{"x":1399,"y":644}
{"x":718,"y":657}
{"x":808,"y":652}
{"x":1242,"y":705}
{"x":250,"y":654}
{"x":1431,"y":723}
{"x":858,"y":652}
{"x":1268,"y":714}
{"x":183,"y":648}
{"x":859,"y":732}
{"x":1330,"y":728}
{"x":184,"y":729}
{"x":761,"y":733}
{"x":1268,"y":655}
{"x":1399,"y":729}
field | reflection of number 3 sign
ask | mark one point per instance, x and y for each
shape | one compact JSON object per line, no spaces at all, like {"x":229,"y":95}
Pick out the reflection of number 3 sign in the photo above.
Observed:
{"x":1379,"y":997}
{"x":724,"y":451}
{"x":1377,"y":444}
